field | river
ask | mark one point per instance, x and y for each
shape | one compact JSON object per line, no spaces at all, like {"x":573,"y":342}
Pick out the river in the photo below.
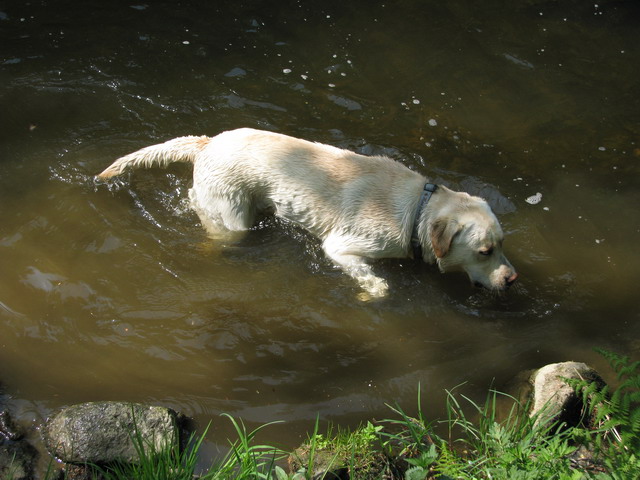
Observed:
{"x":114,"y":292}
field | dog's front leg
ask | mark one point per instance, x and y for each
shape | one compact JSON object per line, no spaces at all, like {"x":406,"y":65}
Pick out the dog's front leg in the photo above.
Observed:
{"x":357,"y":267}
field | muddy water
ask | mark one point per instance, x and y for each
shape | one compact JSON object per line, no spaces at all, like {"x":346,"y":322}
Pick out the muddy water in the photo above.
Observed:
{"x":115,"y":292}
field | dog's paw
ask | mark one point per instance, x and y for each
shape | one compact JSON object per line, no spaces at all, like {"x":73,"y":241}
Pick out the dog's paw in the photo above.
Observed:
{"x":374,"y":288}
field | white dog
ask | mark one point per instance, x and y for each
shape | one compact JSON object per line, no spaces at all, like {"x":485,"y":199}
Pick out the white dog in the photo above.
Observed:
{"x":360,"y":207}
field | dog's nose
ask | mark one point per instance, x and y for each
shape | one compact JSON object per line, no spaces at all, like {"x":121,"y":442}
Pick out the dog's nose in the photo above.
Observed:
{"x":510,"y":280}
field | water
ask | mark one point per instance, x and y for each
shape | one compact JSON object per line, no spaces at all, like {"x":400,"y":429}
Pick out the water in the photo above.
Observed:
{"x":114,"y":292}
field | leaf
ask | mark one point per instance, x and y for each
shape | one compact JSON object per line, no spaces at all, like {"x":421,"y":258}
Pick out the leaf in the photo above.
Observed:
{"x":281,"y":474}
{"x":426,"y":459}
{"x":416,"y":473}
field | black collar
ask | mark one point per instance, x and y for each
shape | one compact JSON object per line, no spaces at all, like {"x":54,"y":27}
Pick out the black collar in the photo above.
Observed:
{"x":427,"y":191}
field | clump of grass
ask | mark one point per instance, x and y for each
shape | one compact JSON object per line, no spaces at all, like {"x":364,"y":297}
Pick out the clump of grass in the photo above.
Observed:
{"x":155,"y":463}
{"x":412,"y":440}
{"x":243,"y":461}
{"x":340,"y":453}
{"x":514,"y":448}
{"x":518,"y":447}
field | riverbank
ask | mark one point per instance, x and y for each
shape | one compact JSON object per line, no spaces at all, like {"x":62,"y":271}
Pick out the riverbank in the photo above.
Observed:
{"x":585,"y":429}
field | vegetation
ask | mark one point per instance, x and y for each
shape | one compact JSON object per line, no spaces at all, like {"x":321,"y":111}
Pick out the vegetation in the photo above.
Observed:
{"x":244,"y":460}
{"x":516,"y":447}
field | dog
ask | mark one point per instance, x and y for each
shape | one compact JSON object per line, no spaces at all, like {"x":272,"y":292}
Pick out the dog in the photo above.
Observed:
{"x":360,"y":207}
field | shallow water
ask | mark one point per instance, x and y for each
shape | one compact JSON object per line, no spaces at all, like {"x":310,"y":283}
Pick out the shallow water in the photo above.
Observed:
{"x":115,"y":292}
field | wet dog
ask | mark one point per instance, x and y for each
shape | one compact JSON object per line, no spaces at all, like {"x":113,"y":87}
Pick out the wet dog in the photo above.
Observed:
{"x":360,"y":207}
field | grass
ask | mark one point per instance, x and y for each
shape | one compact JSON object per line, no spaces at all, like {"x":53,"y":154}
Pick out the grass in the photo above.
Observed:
{"x":357,"y":454}
{"x":478,"y":445}
{"x":243,"y":461}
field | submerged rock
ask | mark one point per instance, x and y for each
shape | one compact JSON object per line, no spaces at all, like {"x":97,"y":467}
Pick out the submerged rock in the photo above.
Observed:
{"x":105,"y":432}
{"x":8,"y":428}
{"x":555,"y":401}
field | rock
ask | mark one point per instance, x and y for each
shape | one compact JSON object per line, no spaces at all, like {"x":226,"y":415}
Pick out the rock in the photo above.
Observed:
{"x":8,"y":428}
{"x":81,"y":472}
{"x":555,"y":401}
{"x":325,"y":464}
{"x":328,"y":463}
{"x":104,"y":432}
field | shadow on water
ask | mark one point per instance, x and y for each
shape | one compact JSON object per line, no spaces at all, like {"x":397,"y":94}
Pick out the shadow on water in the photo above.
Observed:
{"x":114,"y":291}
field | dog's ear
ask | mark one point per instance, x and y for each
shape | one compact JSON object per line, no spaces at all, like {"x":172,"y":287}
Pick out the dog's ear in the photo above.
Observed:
{"x":442,"y":232}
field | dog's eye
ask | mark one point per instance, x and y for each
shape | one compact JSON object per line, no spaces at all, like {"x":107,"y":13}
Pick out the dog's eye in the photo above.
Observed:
{"x":486,"y":252}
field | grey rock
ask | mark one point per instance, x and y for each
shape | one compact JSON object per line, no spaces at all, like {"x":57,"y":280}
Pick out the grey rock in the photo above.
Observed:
{"x":327,"y":464}
{"x":105,"y":432}
{"x":555,"y":401}
{"x":81,"y":472}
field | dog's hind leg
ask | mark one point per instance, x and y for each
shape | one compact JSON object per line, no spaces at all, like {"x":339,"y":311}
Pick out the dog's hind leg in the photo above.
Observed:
{"x":224,"y":220}
{"x":235,"y":212}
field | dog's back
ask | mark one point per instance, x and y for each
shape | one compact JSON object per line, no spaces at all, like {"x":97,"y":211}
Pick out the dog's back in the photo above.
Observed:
{"x":315,"y":185}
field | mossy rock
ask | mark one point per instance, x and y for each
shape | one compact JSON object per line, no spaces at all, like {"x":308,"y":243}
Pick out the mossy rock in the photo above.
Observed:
{"x":105,"y":432}
{"x":331,"y":464}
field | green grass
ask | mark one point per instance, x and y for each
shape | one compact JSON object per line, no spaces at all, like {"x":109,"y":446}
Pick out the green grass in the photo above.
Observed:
{"x":521,"y":447}
{"x":357,"y":453}
{"x":245,"y":460}
{"x":478,"y":444}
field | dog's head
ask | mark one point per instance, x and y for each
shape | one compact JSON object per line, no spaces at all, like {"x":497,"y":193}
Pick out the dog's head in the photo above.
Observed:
{"x":466,"y":235}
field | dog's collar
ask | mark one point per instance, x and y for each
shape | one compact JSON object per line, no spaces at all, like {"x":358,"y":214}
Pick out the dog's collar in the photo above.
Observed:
{"x":425,"y":196}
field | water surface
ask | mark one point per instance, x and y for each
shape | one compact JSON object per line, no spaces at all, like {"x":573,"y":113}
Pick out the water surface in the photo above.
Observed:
{"x":114,"y":292}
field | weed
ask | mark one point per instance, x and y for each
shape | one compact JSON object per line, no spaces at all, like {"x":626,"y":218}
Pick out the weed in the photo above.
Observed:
{"x":156,"y":463}
{"x":243,"y":461}
{"x":342,"y":452}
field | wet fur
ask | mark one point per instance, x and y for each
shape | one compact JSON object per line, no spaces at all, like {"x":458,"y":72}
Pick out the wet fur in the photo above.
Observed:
{"x":360,"y":207}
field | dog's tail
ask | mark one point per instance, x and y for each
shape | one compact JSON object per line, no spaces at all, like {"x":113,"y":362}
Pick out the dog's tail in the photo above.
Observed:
{"x":181,"y":149}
